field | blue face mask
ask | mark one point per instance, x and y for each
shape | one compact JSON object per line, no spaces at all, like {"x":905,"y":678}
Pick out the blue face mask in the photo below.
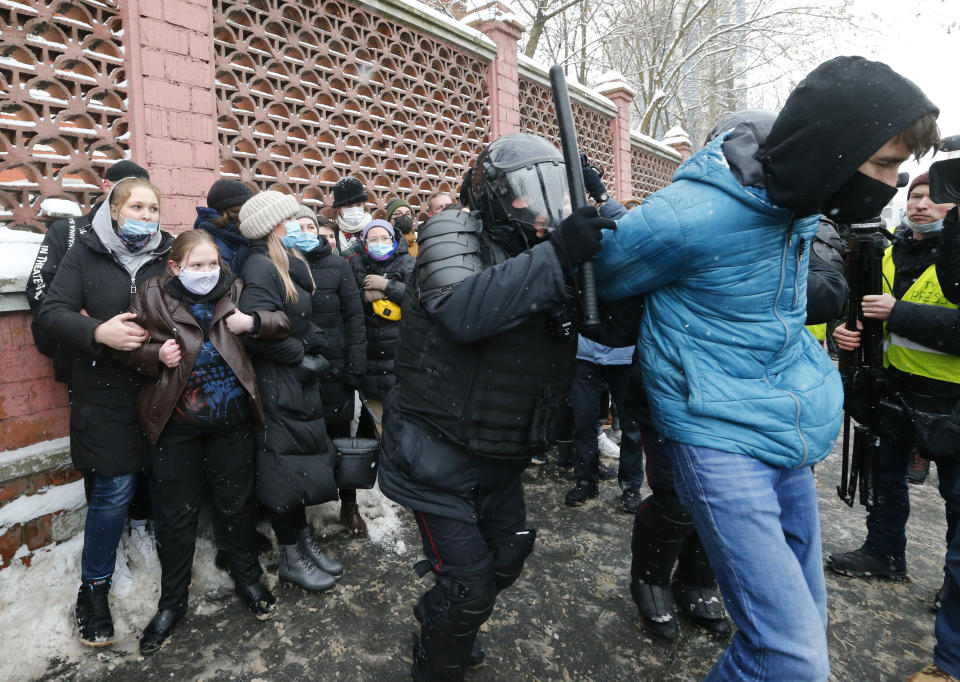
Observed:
{"x":298,"y":239}
{"x":138,"y":228}
{"x":380,"y":251}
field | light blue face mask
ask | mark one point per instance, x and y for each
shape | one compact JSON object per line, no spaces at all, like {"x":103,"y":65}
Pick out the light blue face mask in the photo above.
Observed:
{"x":138,"y":228}
{"x":296,"y":238}
{"x":380,"y":251}
{"x":928,"y":228}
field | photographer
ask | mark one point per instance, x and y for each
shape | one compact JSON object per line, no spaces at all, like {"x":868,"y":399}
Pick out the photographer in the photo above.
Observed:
{"x":922,"y":360}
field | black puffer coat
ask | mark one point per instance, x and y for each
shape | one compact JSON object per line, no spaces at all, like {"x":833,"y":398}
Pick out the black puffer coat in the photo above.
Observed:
{"x":382,"y":334}
{"x":292,"y":408}
{"x":105,"y":436}
{"x":338,"y":311}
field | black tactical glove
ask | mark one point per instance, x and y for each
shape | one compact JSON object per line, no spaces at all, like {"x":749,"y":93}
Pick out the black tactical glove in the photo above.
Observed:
{"x":591,"y":181}
{"x":578,"y":237}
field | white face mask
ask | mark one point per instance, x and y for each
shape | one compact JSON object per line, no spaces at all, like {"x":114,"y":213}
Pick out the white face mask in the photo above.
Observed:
{"x":352,"y":213}
{"x":199,"y":283}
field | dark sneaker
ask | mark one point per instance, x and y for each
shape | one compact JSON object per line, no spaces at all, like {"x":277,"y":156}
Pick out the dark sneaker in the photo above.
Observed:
{"x":606,"y":472}
{"x":919,"y":470}
{"x":630,"y":500}
{"x":860,"y":564}
{"x":94,"y":621}
{"x":538,"y":459}
{"x":583,"y":491}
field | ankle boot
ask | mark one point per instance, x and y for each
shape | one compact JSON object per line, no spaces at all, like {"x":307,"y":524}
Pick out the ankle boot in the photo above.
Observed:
{"x":298,"y":568}
{"x":94,"y":621}
{"x":477,"y":652}
{"x":704,"y":605}
{"x":309,"y":545}
{"x":350,"y":517}
{"x":157,"y":632}
{"x":656,"y":605}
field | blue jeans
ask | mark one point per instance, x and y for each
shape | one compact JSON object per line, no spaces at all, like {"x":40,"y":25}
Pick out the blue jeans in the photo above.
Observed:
{"x":760,"y":527}
{"x":107,"y":508}
{"x":946,"y":653}
{"x":585,"y":402}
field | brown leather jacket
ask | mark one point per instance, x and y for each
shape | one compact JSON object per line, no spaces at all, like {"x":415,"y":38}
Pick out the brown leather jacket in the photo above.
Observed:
{"x":165,"y":317}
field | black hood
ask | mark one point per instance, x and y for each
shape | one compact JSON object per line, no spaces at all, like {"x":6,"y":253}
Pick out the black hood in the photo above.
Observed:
{"x":832,"y":122}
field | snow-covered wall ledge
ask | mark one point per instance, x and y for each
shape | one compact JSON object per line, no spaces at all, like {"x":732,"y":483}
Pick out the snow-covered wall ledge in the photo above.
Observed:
{"x":431,"y":21}
{"x":638,"y":139}
{"x":537,"y":72}
{"x":18,"y":250}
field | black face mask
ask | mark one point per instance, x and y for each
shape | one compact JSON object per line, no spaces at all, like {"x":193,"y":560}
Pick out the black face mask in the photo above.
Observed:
{"x":404,"y":223}
{"x":859,"y":199}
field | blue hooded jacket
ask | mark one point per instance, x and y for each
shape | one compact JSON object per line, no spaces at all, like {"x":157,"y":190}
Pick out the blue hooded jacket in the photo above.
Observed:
{"x":726,"y":360}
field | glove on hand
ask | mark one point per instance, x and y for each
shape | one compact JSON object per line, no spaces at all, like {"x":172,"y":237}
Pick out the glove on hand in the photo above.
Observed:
{"x":578,"y":237}
{"x":591,"y":181}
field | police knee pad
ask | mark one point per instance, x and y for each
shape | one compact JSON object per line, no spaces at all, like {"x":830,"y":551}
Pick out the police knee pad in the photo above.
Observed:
{"x":509,"y":553}
{"x":461,"y":599}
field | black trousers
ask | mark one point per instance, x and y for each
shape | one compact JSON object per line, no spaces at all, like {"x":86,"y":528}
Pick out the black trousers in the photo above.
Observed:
{"x":501,"y":510}
{"x":182,"y":462}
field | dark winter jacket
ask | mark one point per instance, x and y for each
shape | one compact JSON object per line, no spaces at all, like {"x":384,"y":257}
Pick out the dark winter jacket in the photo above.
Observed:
{"x":382,"y":334}
{"x":105,"y":437}
{"x":60,"y":236}
{"x":338,"y":311}
{"x":948,"y":257}
{"x":290,"y":395}
{"x":163,"y":309}
{"x":936,"y":327}
{"x":234,"y":247}
{"x":827,"y":288}
{"x":423,"y":469}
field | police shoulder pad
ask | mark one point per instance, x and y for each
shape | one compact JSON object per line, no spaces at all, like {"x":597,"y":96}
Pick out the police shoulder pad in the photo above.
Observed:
{"x":449,"y":251}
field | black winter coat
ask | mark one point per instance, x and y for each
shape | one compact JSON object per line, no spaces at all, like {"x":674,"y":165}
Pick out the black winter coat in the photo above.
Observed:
{"x":292,"y":406}
{"x":105,"y":436}
{"x":382,"y":334}
{"x":60,"y":236}
{"x":338,"y":311}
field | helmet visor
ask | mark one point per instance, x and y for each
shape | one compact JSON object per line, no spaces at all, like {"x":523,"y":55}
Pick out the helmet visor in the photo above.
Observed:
{"x":536,"y":195}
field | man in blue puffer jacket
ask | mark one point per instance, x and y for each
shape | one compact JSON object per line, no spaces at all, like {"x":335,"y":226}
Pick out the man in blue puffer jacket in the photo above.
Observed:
{"x":746,"y":398}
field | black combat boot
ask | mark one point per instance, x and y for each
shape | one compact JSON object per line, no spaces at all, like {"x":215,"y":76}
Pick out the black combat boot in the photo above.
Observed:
{"x":861,"y":564}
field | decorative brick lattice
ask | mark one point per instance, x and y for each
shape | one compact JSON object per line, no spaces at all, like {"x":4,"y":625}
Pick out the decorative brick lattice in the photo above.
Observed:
{"x":649,"y":172}
{"x":62,"y":103}
{"x":537,"y":115}
{"x":311,"y":91}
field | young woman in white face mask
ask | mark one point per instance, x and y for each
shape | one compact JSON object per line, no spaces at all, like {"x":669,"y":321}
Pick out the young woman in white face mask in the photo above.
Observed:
{"x":199,"y":417}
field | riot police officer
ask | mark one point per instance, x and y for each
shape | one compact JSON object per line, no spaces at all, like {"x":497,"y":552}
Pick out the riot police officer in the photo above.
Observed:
{"x":487,"y":354}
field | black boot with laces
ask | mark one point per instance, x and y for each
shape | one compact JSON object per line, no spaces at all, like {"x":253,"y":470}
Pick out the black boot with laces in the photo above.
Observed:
{"x":94,"y":622}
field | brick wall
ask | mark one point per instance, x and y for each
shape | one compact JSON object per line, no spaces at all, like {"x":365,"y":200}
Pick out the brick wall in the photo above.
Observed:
{"x":33,"y":407}
{"x":172,"y":108}
{"x":38,"y":532}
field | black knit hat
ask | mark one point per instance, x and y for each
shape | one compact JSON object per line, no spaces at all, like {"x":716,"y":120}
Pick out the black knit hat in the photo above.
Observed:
{"x":125,"y":169}
{"x":226,"y":194}
{"x":348,"y":191}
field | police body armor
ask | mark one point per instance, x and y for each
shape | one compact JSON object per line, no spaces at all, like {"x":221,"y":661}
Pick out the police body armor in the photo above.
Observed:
{"x":501,"y":396}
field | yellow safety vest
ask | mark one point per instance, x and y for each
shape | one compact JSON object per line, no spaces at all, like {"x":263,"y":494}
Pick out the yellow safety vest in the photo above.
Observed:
{"x":819,"y":331}
{"x":910,"y":356}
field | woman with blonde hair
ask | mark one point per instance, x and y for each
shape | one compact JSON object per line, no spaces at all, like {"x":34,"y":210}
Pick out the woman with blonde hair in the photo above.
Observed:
{"x":86,"y":311}
{"x":294,"y":455}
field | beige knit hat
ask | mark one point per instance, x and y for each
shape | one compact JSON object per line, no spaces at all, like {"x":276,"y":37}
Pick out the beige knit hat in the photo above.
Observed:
{"x":305,"y":212}
{"x":264,"y":211}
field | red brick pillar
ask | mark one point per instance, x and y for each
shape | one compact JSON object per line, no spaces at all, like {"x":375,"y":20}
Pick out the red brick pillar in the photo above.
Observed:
{"x":616,"y":89}
{"x":503,"y":74}
{"x":172,"y":106}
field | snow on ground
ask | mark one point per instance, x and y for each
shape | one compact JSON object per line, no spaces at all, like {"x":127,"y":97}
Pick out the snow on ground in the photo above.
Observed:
{"x":37,"y":602}
{"x":18,"y":250}
{"x":46,"y":501}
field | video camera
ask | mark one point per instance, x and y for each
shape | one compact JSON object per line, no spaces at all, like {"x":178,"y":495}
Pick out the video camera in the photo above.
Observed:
{"x":945,"y":175}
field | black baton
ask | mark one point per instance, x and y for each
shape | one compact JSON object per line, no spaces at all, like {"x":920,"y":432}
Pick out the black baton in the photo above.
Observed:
{"x":571,"y":159}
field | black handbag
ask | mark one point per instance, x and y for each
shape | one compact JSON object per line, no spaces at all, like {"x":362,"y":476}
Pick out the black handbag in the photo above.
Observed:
{"x":937,"y":435}
{"x":357,"y":462}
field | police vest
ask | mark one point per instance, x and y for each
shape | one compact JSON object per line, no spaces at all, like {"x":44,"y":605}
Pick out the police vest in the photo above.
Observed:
{"x":499,"y":397}
{"x":910,"y":356}
{"x":819,"y":331}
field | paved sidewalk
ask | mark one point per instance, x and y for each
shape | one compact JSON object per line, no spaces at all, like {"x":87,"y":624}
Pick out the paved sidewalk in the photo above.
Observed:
{"x":569,"y":617}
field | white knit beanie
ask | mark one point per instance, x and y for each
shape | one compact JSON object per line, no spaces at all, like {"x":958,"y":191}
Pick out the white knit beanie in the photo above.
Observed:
{"x":264,"y":211}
